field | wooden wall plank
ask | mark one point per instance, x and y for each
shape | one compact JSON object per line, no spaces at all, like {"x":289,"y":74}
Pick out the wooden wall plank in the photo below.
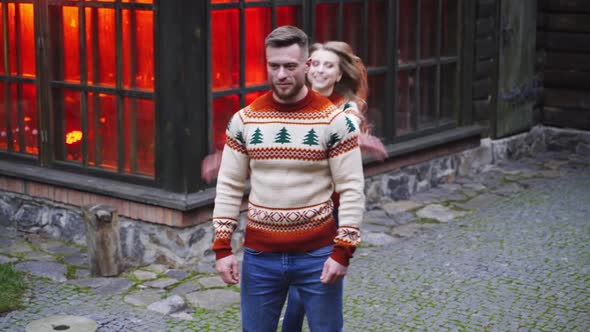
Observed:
{"x":563,"y":98}
{"x":486,"y":8}
{"x":567,"y":79}
{"x":482,"y":88}
{"x":483,"y":68}
{"x":485,"y":27}
{"x":567,"y":22}
{"x":485,"y":48}
{"x":567,"y":61}
{"x":569,"y":42}
{"x":572,"y":118}
{"x":573,"y":6}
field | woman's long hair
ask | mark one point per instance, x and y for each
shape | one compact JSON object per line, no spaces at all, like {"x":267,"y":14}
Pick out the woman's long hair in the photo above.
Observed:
{"x":353,"y":84}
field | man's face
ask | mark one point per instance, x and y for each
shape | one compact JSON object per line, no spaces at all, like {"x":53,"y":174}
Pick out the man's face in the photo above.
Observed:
{"x":286,"y":69}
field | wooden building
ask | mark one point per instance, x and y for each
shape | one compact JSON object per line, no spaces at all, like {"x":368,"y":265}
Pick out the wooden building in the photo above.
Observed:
{"x":118,"y":101}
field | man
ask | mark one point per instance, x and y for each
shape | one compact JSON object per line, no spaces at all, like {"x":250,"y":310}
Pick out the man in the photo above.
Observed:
{"x":297,"y":148}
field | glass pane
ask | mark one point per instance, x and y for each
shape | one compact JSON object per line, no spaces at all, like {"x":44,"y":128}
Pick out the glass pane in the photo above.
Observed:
{"x":377,"y":32}
{"x":427,"y":112}
{"x":102,"y":130}
{"x":223,"y":109}
{"x":376,"y":104}
{"x":289,"y":15}
{"x":353,"y":29}
{"x":73,"y":125}
{"x":448,"y":81}
{"x":23,"y":15}
{"x":139,"y":136}
{"x":224,"y":49}
{"x":2,"y":28}
{"x":14,"y":123}
{"x":4,"y":111}
{"x":326,"y":22}
{"x":71,"y":45}
{"x":407,"y":31}
{"x":249,"y":97}
{"x":449,"y":27}
{"x":100,"y":42}
{"x":428,"y":28}
{"x":405,"y":102}
{"x":258,"y":25}
{"x":139,"y":1}
{"x":138,"y":49}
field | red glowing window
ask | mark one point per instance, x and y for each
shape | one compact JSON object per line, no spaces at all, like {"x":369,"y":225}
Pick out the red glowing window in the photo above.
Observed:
{"x":98,"y":128}
{"x":19,"y":125}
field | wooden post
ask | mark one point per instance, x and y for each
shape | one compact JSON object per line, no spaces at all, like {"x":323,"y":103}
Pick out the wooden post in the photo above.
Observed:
{"x":102,"y":237}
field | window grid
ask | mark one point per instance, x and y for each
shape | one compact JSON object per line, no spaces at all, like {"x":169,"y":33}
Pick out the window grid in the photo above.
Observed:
{"x":123,"y":94}
{"x":422,"y":119}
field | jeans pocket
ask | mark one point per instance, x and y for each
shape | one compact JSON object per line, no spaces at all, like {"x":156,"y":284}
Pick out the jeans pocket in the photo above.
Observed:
{"x":320,"y":252}
{"x":252,"y":252}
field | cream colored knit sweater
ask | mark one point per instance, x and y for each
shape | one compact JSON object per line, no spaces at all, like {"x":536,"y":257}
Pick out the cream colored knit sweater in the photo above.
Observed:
{"x":296,"y":155}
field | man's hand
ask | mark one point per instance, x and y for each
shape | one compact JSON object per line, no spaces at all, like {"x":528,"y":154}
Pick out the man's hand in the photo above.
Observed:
{"x":333,"y":271}
{"x":227,"y":268}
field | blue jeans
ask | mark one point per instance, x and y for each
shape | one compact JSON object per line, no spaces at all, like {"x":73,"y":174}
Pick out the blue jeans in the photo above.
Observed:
{"x":295,"y":312}
{"x":266,"y":279}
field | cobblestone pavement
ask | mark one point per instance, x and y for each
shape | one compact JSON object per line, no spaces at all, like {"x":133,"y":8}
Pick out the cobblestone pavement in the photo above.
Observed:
{"x":506,"y":250}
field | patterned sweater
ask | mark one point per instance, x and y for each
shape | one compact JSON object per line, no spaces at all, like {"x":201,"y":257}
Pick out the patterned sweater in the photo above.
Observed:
{"x":296,"y":156}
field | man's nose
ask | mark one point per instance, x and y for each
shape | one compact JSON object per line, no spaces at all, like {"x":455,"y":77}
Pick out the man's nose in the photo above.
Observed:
{"x":282,"y":73}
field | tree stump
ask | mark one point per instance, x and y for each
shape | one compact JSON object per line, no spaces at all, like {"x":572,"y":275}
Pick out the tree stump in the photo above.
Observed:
{"x":102,"y":237}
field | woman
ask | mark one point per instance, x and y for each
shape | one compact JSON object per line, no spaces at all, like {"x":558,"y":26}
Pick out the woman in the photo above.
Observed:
{"x":337,"y":73}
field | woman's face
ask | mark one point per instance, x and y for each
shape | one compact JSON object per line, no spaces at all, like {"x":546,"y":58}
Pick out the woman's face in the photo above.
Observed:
{"x":324,"y":71}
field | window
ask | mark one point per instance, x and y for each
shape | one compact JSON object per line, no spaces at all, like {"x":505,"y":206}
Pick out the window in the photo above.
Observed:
{"x":422,"y":73}
{"x":96,"y":84}
{"x":19,"y":130}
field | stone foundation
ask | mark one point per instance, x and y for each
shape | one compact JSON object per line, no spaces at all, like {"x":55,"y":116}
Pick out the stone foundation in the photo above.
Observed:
{"x":146,"y":243}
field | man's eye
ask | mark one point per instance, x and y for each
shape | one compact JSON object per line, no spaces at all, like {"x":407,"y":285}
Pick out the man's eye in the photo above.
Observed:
{"x":329,"y":65}
{"x":315,"y":63}
{"x":291,"y":67}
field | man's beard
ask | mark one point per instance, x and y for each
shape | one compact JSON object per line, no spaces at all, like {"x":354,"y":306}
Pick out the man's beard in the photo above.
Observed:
{"x":287,"y":94}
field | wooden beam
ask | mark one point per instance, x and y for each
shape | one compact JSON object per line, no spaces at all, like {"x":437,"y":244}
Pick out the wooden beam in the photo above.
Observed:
{"x":564,"y":6}
{"x":562,"y":98}
{"x":567,"y":61}
{"x":568,"y":42}
{"x":561,"y":79}
{"x":572,"y":118}
{"x":567,"y":22}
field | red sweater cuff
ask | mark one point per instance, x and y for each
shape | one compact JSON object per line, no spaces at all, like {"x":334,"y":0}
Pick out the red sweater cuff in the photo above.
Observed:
{"x":219,"y":254}
{"x":342,"y":254}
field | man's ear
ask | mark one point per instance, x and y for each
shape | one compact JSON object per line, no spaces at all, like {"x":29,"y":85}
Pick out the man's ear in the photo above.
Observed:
{"x":307,"y":64}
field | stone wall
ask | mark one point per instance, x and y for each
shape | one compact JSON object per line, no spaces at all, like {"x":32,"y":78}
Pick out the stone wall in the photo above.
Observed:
{"x":146,"y":243}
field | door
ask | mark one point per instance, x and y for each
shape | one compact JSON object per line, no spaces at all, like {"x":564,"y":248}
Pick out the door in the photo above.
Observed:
{"x":517,"y":85}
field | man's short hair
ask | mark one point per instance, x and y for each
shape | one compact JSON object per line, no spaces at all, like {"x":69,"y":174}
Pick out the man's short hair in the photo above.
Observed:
{"x":285,"y":36}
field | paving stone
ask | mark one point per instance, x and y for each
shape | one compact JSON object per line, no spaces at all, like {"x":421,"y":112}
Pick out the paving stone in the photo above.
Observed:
{"x":507,"y":189}
{"x":16,"y":248}
{"x":185,"y":288}
{"x":210,"y":282}
{"x":38,"y":256}
{"x":78,"y":259}
{"x":143,"y":298}
{"x":411,"y":230}
{"x":6,"y":259}
{"x":53,"y":271}
{"x":157,"y":268}
{"x":169,"y":305}
{"x":395,"y":207}
{"x":5,"y":242}
{"x":177,"y":274}
{"x":104,"y":286}
{"x":223,"y":298}
{"x":82,"y":273}
{"x":161,"y":283}
{"x":144,"y":275}
{"x":182,"y":315}
{"x":377,"y":239}
{"x":439,"y":213}
{"x":478,"y":202}
{"x":63,"y":250}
